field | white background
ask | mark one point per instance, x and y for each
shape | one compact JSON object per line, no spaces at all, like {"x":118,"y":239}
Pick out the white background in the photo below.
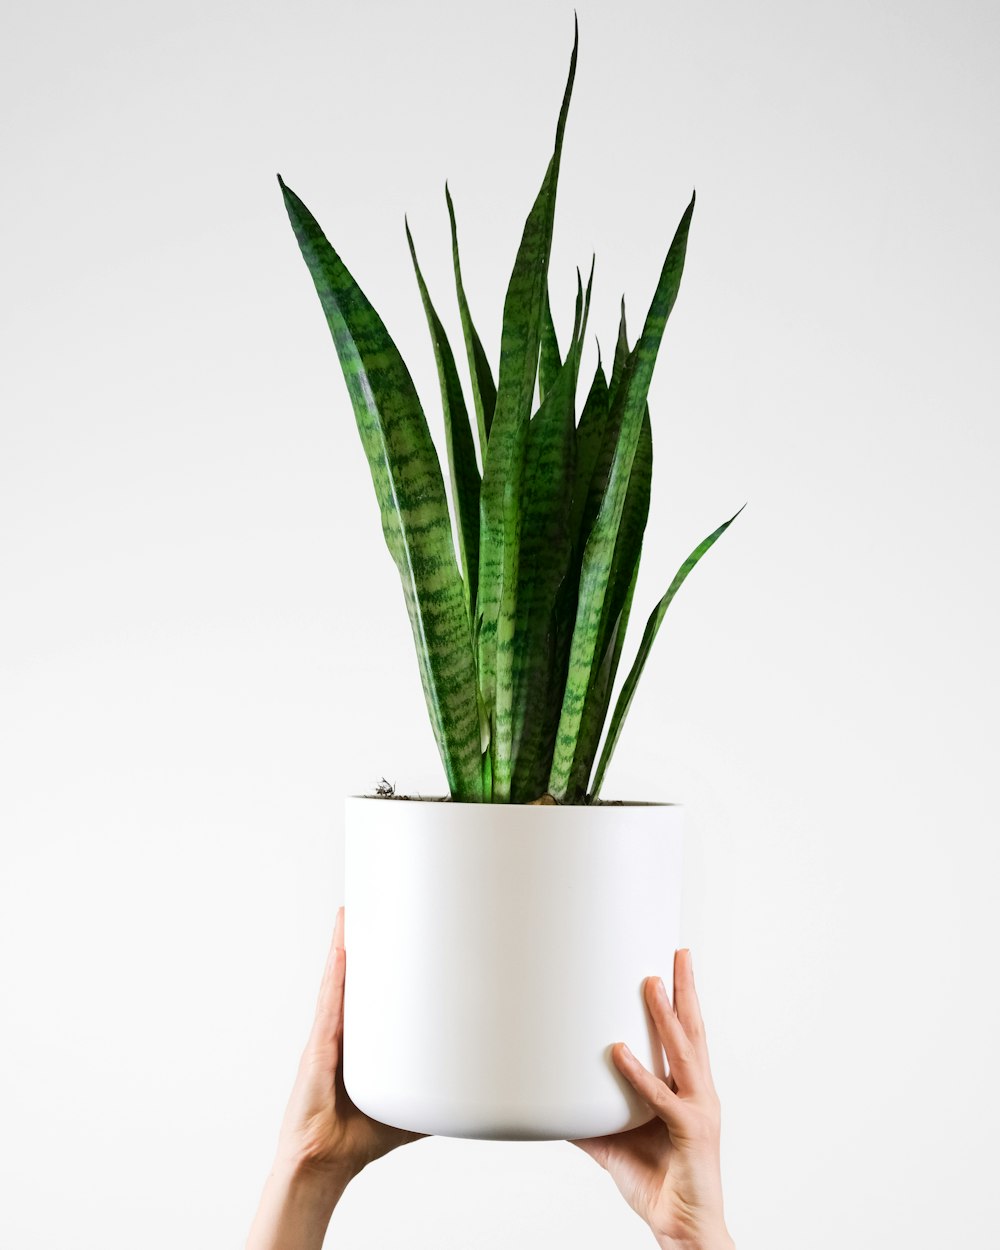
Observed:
{"x":203,"y":645}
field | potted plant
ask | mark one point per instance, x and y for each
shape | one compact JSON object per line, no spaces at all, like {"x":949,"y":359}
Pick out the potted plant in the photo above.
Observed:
{"x":499,"y":939}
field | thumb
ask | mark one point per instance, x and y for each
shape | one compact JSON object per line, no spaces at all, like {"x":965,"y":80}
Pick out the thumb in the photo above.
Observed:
{"x":328,"y":1024}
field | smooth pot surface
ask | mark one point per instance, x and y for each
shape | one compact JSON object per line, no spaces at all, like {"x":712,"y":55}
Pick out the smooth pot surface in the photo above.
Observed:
{"x":494,"y":954}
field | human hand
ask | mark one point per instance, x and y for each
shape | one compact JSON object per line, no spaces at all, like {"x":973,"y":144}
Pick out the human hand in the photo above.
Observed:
{"x":325,"y":1140}
{"x":668,"y":1170}
{"x":323,"y":1132}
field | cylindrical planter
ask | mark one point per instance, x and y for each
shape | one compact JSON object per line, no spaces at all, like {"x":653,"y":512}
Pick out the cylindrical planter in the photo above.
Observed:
{"x":495,"y":953}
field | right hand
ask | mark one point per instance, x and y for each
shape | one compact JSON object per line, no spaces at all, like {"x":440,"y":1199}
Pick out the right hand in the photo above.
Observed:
{"x":323,"y":1132}
{"x":668,"y":1170}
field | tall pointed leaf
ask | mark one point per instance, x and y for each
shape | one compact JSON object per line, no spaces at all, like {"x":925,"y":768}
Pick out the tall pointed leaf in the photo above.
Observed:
{"x":549,"y":361}
{"x":624,"y":573}
{"x":589,"y":437}
{"x":459,"y":441}
{"x":645,"y":646}
{"x":484,"y":391}
{"x":541,"y":639}
{"x":546,"y":548}
{"x":627,"y":411}
{"x":621,"y":351}
{"x":582,"y":334}
{"x":599,"y":474}
{"x":410,"y":489}
{"x":621,"y":586}
{"x":501,"y":489}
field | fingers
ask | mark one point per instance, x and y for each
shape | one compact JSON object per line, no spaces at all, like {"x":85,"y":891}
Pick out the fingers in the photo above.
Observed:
{"x":328,"y":1025}
{"x":664,"y":1101}
{"x":688,"y":1009}
{"x":685,"y":1063}
{"x":685,"y":998}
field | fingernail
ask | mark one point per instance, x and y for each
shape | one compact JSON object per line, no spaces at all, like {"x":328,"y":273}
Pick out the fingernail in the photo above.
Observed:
{"x":626,"y":1053}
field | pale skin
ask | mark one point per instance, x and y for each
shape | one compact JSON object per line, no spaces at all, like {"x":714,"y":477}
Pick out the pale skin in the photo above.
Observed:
{"x":667,"y":1170}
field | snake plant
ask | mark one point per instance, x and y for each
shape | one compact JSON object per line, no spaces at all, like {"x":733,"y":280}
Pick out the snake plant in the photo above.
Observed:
{"x":519,"y":614}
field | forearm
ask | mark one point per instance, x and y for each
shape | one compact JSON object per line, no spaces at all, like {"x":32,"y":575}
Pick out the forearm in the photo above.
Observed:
{"x":295,"y":1209}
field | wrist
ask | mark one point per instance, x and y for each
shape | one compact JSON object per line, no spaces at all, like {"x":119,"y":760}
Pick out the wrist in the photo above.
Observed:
{"x":296,"y":1206}
{"x":718,"y":1240}
{"x":311,"y":1176}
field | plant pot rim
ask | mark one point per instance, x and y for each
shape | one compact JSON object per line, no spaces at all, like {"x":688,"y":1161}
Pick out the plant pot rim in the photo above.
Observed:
{"x":600,"y":805}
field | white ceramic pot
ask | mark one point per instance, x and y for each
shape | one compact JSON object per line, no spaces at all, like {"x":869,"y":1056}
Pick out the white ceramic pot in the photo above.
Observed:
{"x":495,"y":953}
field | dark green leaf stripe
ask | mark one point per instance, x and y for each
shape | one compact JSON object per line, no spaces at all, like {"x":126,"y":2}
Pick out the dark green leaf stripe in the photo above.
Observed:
{"x":459,"y":441}
{"x":649,"y":634}
{"x":484,"y":391}
{"x":501,"y":489}
{"x":410,"y":491}
{"x":627,"y":410}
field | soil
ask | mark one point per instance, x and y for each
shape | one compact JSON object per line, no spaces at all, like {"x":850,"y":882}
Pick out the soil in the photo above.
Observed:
{"x":387,"y":790}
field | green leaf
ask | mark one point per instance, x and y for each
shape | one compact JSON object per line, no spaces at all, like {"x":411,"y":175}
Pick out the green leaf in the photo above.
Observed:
{"x":540,"y":644}
{"x":624,"y":571}
{"x":606,"y":441}
{"x":487,"y":773}
{"x":625,"y":422}
{"x":501,"y":489}
{"x":410,"y":489}
{"x":546,"y":548}
{"x":550,"y":361}
{"x":649,"y":634}
{"x":621,"y":351}
{"x":589,"y":438}
{"x":458,"y":437}
{"x":621,"y":586}
{"x":484,"y":391}
{"x":586,"y":302}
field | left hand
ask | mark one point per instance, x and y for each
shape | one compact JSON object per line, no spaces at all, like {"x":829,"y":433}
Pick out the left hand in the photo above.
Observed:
{"x":323,"y":1131}
{"x":668,"y":1169}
